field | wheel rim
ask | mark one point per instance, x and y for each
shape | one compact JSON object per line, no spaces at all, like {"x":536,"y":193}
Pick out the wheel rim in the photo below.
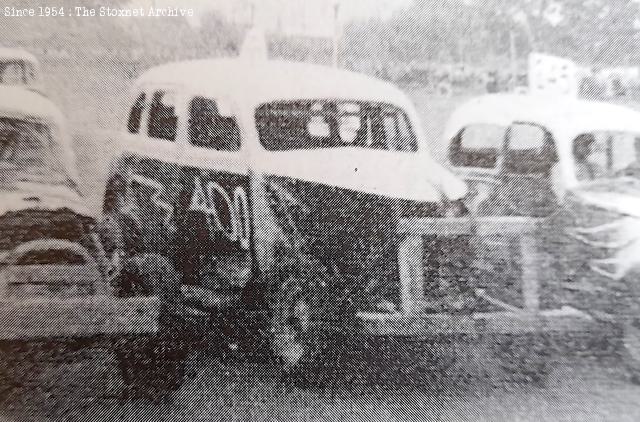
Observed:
{"x":114,"y":263}
{"x":113,"y":246}
{"x":300,"y":317}
{"x":290,"y":346}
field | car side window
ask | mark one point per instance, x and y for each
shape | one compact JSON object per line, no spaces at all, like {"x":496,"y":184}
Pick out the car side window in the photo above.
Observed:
{"x":397,"y":132}
{"x":135,"y":115}
{"x":606,"y":154}
{"x":163,"y":121}
{"x":209,"y":129}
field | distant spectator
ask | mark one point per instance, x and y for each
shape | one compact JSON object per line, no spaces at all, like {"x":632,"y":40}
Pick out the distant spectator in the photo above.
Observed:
{"x":492,"y":82}
{"x":617,"y":88}
{"x":582,"y":150}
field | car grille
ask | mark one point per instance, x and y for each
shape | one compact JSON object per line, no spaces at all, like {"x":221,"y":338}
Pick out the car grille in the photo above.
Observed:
{"x":49,"y":273}
{"x":24,"y":226}
{"x":497,"y":268}
{"x":447,"y":272}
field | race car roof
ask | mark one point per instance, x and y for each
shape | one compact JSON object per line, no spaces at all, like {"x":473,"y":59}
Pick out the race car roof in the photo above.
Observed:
{"x":259,"y":81}
{"x":16,"y":54}
{"x":568,"y":115}
{"x":20,"y":101}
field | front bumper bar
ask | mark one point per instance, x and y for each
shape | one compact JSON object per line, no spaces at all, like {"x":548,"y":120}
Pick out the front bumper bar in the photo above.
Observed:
{"x":564,"y":320}
{"x":85,"y":316}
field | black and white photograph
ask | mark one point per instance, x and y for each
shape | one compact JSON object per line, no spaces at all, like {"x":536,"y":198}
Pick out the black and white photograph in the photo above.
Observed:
{"x":319,"y":210}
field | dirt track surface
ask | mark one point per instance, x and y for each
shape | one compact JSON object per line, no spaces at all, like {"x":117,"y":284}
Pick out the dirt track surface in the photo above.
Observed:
{"x":85,"y":386}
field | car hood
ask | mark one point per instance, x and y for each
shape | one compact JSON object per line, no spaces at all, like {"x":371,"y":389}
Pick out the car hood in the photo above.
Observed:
{"x":621,"y":195}
{"x":24,"y":196}
{"x":411,"y":176}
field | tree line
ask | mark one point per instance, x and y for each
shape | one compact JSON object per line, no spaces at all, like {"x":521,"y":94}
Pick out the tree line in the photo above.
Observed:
{"x":474,"y":31}
{"x":454,"y":31}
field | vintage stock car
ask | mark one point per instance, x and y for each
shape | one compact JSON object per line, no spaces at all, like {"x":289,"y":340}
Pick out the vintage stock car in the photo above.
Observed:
{"x":297,"y":203}
{"x":569,"y":168}
{"x":55,"y":281}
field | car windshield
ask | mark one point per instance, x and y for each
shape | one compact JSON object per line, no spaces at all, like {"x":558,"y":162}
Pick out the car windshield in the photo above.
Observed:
{"x":27,"y":154}
{"x":311,"y":124}
{"x":525,"y":148}
{"x":14,"y":73}
{"x":606,"y":154}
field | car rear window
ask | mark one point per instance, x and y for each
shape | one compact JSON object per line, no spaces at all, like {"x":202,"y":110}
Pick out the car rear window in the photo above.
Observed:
{"x":531,"y":149}
{"x":13,"y":73}
{"x":311,"y":124}
{"x":28,"y":153}
{"x":477,"y":146}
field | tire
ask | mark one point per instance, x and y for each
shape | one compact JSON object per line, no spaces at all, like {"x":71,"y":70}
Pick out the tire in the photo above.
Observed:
{"x":11,"y":374}
{"x":154,"y":365}
{"x":253,"y":326}
{"x":525,"y":357}
{"x":121,"y":237}
{"x":304,"y":348}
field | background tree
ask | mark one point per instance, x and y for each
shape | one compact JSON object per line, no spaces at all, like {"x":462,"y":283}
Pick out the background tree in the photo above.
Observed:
{"x":477,"y":31}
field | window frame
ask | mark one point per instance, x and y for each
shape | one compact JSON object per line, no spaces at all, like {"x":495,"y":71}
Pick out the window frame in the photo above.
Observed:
{"x":548,"y":141}
{"x":22,"y":64}
{"x":188,"y":122}
{"x":407,"y":115}
{"x":500,"y":147}
{"x":178,"y":111}
{"x":503,"y":148}
{"x":608,"y":170}
{"x":143,"y":112}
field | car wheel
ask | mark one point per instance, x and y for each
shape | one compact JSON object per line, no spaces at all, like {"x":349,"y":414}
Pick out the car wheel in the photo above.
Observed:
{"x":628,"y":322}
{"x":121,"y":237}
{"x":525,"y":357}
{"x":253,"y":325}
{"x":305,"y":348}
{"x":291,"y":326}
{"x":111,"y":236}
{"x":11,"y":374}
{"x":154,"y":365}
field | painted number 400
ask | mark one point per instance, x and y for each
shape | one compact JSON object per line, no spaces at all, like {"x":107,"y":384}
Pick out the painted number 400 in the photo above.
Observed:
{"x":214,"y":201}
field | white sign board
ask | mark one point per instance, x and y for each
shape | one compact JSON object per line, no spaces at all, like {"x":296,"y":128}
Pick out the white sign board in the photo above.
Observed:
{"x":553,"y":75}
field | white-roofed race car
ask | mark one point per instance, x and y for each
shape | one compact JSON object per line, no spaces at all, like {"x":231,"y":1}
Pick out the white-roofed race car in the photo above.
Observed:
{"x":19,"y":67}
{"x":572,"y":169}
{"x":55,"y":281}
{"x":297,"y":203}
